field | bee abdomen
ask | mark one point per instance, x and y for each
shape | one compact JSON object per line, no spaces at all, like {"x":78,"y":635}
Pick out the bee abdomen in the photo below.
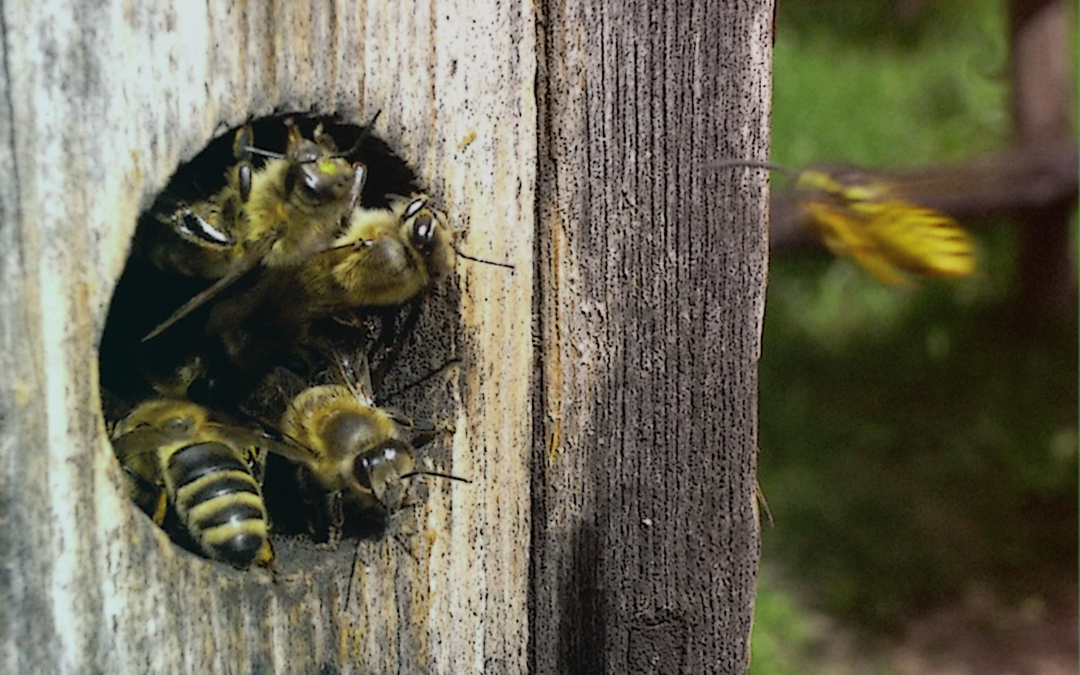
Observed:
{"x":219,"y":502}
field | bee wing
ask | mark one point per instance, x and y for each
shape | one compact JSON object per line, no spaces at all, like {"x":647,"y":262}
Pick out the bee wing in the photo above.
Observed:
{"x":252,"y":443}
{"x":355,"y":373}
{"x":285,"y":446}
{"x":845,"y":234}
{"x":252,"y":258}
{"x":291,"y":450}
{"x":138,"y":450}
{"x":922,"y":240}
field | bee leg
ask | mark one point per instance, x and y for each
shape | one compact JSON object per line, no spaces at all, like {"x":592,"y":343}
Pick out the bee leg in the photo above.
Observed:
{"x":316,"y":506}
{"x":407,"y":546}
{"x":392,"y":340}
{"x":336,"y":511}
{"x":266,"y":556}
{"x":405,"y":532}
{"x":452,"y":361}
{"x":424,"y":431}
{"x":147,"y":495}
{"x":159,"y":509}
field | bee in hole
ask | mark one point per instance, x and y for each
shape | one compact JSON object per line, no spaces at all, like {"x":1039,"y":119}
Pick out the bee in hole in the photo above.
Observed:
{"x":865,"y":219}
{"x":349,"y":450}
{"x":207,"y":474}
{"x":385,"y":258}
{"x":297,"y":203}
{"x":201,"y":238}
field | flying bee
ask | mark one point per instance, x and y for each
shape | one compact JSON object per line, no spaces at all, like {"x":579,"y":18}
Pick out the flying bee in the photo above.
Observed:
{"x":867,"y":220}
{"x":210,"y":473}
{"x":297,"y":203}
{"x":348,"y":450}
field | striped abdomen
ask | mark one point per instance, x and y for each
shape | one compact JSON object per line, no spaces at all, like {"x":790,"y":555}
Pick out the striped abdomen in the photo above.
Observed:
{"x":219,"y":502}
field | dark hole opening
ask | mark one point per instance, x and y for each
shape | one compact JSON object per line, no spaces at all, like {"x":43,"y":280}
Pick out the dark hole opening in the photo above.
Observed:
{"x":146,"y":295}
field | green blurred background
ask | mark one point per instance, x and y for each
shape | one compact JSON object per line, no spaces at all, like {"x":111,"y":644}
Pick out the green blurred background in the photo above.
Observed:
{"x":918,"y":448}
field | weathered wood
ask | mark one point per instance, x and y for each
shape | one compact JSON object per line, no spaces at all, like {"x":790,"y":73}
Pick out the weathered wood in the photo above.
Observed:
{"x":651,"y":290}
{"x":101,"y":102}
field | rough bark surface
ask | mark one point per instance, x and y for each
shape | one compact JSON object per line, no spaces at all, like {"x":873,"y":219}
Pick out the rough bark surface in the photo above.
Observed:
{"x":651,"y":293}
{"x":100,"y":102}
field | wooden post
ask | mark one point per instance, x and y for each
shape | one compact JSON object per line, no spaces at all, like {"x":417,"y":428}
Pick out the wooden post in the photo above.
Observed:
{"x":641,"y":445}
{"x":652,"y":279}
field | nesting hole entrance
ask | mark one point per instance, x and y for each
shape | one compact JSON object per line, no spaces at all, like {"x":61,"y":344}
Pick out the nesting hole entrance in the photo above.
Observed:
{"x":201,"y":369}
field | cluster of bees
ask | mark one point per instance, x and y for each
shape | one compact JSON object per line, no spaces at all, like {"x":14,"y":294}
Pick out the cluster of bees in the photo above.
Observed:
{"x":298,"y":274}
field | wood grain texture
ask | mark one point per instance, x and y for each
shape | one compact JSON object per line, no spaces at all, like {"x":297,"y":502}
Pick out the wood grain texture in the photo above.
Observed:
{"x":651,"y":291}
{"x":101,"y":101}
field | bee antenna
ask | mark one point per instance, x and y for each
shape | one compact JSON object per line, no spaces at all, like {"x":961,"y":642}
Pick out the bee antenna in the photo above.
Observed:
{"x":481,"y":260}
{"x":363,"y":136}
{"x":752,"y":164}
{"x":263,"y":153}
{"x":452,"y":361}
{"x":437,"y":475}
{"x":352,"y":573}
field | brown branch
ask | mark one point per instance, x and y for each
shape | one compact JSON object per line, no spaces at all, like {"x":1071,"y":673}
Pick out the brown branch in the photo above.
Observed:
{"x":1018,"y":180}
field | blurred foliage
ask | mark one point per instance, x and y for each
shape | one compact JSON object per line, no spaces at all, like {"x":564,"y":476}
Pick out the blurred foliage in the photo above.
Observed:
{"x":853,"y":83}
{"x":913,"y":442}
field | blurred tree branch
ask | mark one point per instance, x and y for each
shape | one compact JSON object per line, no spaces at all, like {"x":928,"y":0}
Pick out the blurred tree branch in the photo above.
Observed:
{"x":1018,"y":180}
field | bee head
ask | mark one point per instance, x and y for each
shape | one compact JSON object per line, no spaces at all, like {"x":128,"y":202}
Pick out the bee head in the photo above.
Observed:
{"x":322,"y":180}
{"x":421,"y":225}
{"x":427,"y":232}
{"x":381,"y":469}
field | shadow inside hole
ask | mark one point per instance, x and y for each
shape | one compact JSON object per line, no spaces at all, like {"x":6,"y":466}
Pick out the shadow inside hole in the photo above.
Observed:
{"x":145,"y":296}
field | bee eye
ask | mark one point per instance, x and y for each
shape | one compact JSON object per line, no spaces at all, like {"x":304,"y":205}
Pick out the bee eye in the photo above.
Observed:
{"x":308,"y":180}
{"x":307,"y":153}
{"x":176,"y":424}
{"x":414,"y":208}
{"x":199,"y":228}
{"x":313,"y":183}
{"x":423,"y":234}
{"x":243,"y":178}
{"x":362,"y":471}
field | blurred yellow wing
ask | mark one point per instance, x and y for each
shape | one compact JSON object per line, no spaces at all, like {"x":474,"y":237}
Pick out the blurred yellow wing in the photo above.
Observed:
{"x":923,"y":241}
{"x":846,"y":234}
{"x":864,"y":220}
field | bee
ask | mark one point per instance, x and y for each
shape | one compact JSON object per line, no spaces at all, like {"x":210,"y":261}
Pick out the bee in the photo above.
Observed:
{"x":295,"y":204}
{"x":210,"y":473}
{"x":384,"y":258}
{"x":201,"y":238}
{"x":348,"y":450}
{"x":193,"y":242}
{"x":870,"y":222}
